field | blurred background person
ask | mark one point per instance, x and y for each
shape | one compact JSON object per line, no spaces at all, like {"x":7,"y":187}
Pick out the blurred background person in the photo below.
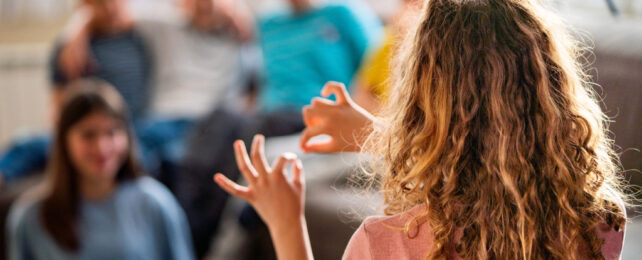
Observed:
{"x":96,"y":203}
{"x":99,"y":41}
{"x":171,"y":68}
{"x":371,"y":84}
{"x":196,"y":51}
{"x":311,"y":42}
{"x":303,"y":47}
{"x":202,"y":54}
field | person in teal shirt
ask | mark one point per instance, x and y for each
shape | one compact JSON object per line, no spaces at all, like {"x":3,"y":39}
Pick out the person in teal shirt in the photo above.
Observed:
{"x":303,"y":48}
{"x":95,"y":203}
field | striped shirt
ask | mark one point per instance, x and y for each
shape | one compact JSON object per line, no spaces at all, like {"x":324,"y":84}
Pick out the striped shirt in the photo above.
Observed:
{"x":120,"y":59}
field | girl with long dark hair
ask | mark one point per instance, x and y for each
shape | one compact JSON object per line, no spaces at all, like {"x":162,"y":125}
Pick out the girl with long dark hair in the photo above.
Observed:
{"x":95,"y":203}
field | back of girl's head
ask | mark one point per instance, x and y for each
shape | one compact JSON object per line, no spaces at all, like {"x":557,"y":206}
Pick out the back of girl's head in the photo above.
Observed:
{"x":82,"y":98}
{"x":492,"y":126}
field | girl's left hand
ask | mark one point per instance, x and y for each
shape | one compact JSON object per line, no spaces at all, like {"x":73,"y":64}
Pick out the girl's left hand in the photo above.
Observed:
{"x":279,"y":201}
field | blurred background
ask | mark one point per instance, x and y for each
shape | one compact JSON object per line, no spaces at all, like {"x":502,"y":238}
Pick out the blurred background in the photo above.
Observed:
{"x":28,"y":30}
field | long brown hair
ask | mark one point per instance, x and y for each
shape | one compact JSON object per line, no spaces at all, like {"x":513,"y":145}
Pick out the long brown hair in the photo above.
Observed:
{"x":60,"y":206}
{"x":493,"y":126}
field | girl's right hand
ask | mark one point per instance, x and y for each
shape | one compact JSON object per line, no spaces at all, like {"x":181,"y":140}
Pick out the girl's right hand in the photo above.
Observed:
{"x":278,"y":201}
{"x":345,"y":122}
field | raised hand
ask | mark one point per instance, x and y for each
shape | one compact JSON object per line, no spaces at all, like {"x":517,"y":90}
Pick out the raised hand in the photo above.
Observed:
{"x":345,"y":122}
{"x":269,"y":191}
{"x":279,"y":201}
{"x":239,"y":17}
{"x":75,"y":57}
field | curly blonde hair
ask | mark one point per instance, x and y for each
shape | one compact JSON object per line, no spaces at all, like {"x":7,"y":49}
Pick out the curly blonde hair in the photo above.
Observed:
{"x":492,"y":125}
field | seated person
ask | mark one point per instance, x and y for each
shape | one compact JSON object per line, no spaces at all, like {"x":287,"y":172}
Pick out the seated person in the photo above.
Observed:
{"x":195,"y":65}
{"x":96,"y":203}
{"x":302,"y":49}
{"x":198,"y":67}
{"x":116,"y":54}
{"x":372,"y":86}
{"x":312,"y":43}
{"x":101,"y":41}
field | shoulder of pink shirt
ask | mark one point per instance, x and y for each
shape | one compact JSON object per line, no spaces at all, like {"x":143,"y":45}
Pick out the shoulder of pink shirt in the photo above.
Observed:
{"x":385,"y":237}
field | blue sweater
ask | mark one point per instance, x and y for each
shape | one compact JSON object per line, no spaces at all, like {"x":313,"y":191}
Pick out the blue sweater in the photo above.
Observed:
{"x":141,"y":220}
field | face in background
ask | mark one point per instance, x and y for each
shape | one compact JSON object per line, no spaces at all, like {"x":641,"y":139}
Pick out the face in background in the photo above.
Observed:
{"x":300,"y":5}
{"x":97,"y":145}
{"x":201,"y":13}
{"x":108,"y":16}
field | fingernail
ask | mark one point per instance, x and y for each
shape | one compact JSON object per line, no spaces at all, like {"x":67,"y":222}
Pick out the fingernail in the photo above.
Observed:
{"x":289,"y":155}
{"x":299,"y":164}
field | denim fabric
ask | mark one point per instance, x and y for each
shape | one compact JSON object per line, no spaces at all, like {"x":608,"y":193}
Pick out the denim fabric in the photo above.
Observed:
{"x":162,"y":143}
{"x":25,"y":156}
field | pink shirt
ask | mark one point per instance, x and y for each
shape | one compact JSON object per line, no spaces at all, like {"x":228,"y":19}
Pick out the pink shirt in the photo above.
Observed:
{"x":378,"y":238}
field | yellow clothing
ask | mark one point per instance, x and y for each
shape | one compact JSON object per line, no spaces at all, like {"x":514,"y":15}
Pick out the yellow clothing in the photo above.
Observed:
{"x":375,"y":72}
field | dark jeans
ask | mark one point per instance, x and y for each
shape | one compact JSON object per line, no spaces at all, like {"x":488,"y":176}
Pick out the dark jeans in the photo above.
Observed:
{"x":162,"y":143}
{"x":210,"y":150}
{"x":24,"y":157}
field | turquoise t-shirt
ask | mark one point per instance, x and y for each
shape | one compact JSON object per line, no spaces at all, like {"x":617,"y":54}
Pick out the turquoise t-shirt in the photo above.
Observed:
{"x":141,"y":220}
{"x":302,"y":52}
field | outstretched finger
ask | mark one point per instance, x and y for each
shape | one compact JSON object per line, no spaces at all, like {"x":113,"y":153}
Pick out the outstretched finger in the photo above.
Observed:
{"x":231,"y":187}
{"x":338,"y":89}
{"x":243,"y":162}
{"x":297,"y":175}
{"x":258,"y":155}
{"x":321,"y":147}
{"x":322,"y":103}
